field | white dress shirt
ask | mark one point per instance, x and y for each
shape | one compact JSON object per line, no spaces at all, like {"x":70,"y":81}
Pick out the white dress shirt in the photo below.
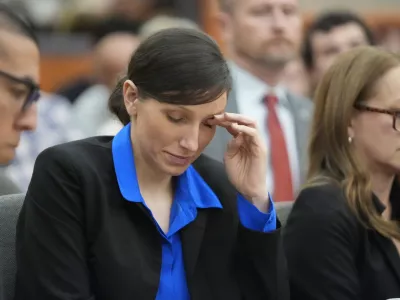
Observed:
{"x":250,"y":92}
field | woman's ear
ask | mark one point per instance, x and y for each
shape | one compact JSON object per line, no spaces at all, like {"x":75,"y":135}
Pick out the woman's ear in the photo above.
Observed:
{"x":131,"y":97}
{"x":350,"y":130}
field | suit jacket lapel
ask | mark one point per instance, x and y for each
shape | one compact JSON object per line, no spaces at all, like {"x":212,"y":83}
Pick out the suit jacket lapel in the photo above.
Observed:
{"x":192,"y":238}
{"x":301,"y":118}
{"x":390,"y":253}
{"x":386,"y":245}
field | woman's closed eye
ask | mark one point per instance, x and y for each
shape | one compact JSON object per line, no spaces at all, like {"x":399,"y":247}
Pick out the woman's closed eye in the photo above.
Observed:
{"x":179,"y":120}
{"x":207,"y":124}
{"x":175,"y":119}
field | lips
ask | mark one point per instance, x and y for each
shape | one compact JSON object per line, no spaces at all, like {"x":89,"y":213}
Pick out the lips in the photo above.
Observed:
{"x":178,"y":160}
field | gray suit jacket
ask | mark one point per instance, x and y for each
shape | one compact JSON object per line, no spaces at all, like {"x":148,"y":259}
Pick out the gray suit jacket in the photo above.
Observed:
{"x":301,"y":109}
{"x":7,"y":187}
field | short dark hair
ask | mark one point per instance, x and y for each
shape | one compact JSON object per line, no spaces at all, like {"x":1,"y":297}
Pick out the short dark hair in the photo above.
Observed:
{"x":325,"y":23}
{"x":177,"y":66}
{"x":17,"y":22}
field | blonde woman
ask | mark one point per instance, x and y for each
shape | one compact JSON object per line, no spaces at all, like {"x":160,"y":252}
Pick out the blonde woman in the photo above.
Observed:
{"x":342,"y":237}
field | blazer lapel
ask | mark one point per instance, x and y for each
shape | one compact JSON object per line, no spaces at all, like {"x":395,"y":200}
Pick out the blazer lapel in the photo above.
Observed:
{"x":301,"y":117}
{"x":192,"y":238}
{"x":386,"y":245}
{"x":391,"y":254}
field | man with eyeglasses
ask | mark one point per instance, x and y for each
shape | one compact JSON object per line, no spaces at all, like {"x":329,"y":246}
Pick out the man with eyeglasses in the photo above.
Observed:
{"x":19,"y":90}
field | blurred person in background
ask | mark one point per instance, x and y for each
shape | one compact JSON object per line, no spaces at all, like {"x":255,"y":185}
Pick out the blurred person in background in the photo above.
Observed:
{"x":129,"y":14}
{"x":19,"y":87}
{"x":110,"y":58}
{"x":329,"y":35}
{"x":43,"y":14}
{"x":263,"y":36}
{"x":342,"y":238}
{"x":108,"y":17}
{"x":154,"y":25}
{"x":53,"y":127}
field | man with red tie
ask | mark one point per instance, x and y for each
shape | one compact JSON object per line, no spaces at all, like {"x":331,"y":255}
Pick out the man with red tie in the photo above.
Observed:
{"x":263,"y":36}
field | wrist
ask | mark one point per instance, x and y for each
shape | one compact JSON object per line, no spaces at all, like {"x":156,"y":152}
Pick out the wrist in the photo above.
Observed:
{"x":259,"y":199}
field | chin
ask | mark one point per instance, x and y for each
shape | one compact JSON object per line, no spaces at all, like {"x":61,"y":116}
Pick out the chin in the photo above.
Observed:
{"x":173,"y":170}
{"x":6,"y":156}
{"x":173,"y":166}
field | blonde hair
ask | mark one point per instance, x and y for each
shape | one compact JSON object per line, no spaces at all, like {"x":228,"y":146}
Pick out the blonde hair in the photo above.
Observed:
{"x":350,"y":80}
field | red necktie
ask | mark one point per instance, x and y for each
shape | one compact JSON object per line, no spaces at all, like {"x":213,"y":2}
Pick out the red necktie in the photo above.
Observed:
{"x":283,"y":188}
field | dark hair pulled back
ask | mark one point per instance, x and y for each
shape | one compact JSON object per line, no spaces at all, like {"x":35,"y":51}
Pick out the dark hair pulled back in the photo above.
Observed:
{"x":176,"y":66}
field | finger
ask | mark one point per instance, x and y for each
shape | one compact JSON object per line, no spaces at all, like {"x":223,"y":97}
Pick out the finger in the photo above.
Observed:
{"x":219,"y":122}
{"x":232,"y":130}
{"x":240,"y":119}
{"x":249,"y":131}
{"x":234,"y":144}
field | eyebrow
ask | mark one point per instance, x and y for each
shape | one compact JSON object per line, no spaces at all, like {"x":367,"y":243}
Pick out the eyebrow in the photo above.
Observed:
{"x":211,"y":115}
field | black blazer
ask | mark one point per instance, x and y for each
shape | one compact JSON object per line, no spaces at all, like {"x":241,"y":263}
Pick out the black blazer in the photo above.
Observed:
{"x":77,"y":238}
{"x":332,"y":256}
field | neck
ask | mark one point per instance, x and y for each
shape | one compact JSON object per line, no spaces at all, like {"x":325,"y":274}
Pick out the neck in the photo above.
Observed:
{"x":150,"y":179}
{"x":271,"y":74}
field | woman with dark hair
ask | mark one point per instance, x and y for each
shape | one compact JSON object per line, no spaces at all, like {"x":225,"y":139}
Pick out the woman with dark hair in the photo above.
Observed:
{"x":144,"y":215}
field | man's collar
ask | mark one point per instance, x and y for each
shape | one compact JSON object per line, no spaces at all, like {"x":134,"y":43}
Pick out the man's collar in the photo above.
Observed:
{"x":243,"y":79}
{"x":394,"y":201}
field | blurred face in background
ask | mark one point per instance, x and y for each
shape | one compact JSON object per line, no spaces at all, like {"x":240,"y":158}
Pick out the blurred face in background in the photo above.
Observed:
{"x":112,"y":55}
{"x":326,"y":46}
{"x":267,"y":32}
{"x":19,"y":65}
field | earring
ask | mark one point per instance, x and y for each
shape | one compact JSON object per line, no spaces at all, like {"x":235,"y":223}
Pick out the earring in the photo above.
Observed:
{"x":350,"y":139}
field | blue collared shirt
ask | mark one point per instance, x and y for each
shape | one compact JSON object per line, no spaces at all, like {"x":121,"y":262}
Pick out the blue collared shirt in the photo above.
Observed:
{"x":192,"y":192}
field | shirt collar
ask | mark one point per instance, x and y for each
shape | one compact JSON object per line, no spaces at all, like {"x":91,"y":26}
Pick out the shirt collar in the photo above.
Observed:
{"x":393,"y":198}
{"x":190,"y":185}
{"x":245,"y":81}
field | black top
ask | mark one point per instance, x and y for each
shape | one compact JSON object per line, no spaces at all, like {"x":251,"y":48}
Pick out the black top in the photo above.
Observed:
{"x":332,"y":256}
{"x":77,"y":238}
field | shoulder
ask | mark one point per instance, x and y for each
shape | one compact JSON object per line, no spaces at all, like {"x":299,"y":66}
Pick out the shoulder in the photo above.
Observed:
{"x":81,"y":154}
{"x":322,"y":209}
{"x":324,"y":198}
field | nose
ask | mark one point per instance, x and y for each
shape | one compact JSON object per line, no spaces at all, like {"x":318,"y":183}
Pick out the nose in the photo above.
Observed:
{"x":27,"y":119}
{"x":191,"y":140}
{"x":278,"y":20}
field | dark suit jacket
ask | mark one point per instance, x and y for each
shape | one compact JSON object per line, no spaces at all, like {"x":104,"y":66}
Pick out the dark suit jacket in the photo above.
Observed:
{"x":77,"y":238}
{"x":332,"y":256}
